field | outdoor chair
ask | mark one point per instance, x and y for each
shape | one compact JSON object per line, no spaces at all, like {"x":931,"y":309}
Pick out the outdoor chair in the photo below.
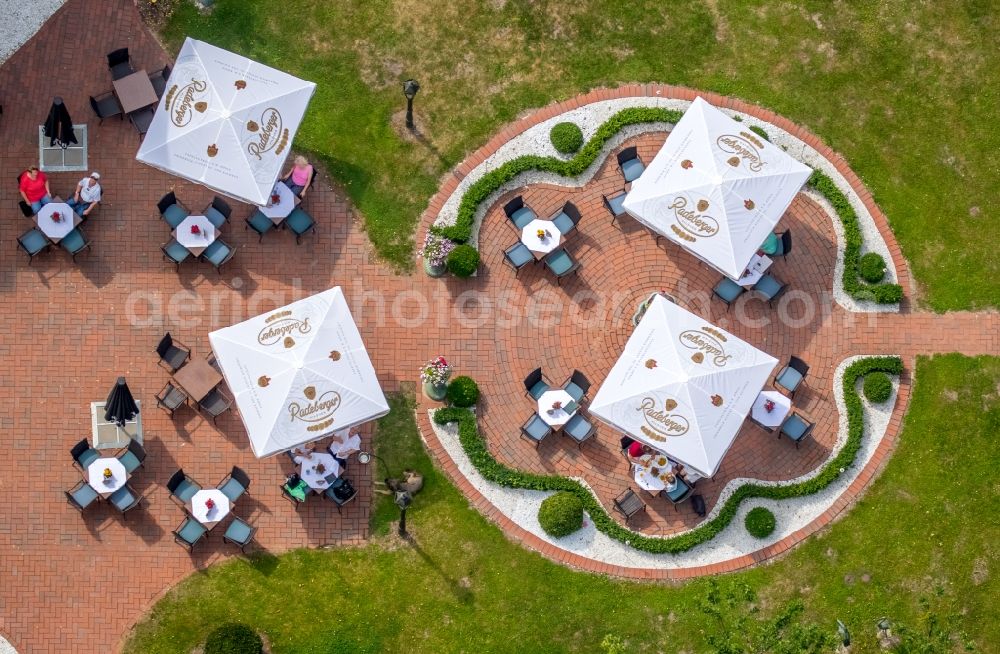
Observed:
{"x":83,"y":454}
{"x":518,"y":213}
{"x":119,"y":63}
{"x":630,"y":163}
{"x":615,"y":205}
{"x":728,"y":291}
{"x":770,"y":288}
{"x":561,"y":264}
{"x":133,"y":456}
{"x":75,"y":242}
{"x":141,"y":119}
{"x":172,"y":211}
{"x":239,"y":532}
{"x":680,"y":492}
{"x":171,"y":398}
{"x":172,"y":352}
{"x":106,"y":106}
{"x":535,"y":384}
{"x":81,"y":496}
{"x":300,"y":223}
{"x":535,"y":429}
{"x":567,"y":219}
{"x":159,"y":81}
{"x":628,"y":504}
{"x":216,"y":403}
{"x":234,"y":484}
{"x":579,"y":429}
{"x":218,"y":212}
{"x":218,"y":253}
{"x":174,"y":252}
{"x":518,"y":256}
{"x":784,"y":244}
{"x":125,"y":499}
{"x":286,"y":492}
{"x":25,"y":209}
{"x":577,"y":386}
{"x":335,"y":492}
{"x":212,"y":361}
{"x":796,"y":428}
{"x":33,"y":242}
{"x":260,"y":224}
{"x":182,"y":488}
{"x":791,"y":376}
{"x":189,"y":533}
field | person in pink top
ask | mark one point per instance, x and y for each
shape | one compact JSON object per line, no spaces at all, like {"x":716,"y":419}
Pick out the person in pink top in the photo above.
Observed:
{"x":34,"y":188}
{"x":299,"y":177}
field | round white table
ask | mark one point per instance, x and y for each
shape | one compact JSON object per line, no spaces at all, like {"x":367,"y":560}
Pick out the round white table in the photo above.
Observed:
{"x":195,"y":243}
{"x":278,"y":211}
{"x":317,"y":478}
{"x":558,"y":417}
{"x":541,"y":246}
{"x":56,"y":231}
{"x":206,"y":516}
{"x":95,"y":476}
{"x":782,"y":405}
{"x":644,"y":477}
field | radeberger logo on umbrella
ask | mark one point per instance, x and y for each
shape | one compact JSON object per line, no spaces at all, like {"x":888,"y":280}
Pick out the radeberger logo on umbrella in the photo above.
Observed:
{"x":692,"y":219}
{"x":706,"y":342}
{"x":269,"y":134}
{"x":279,"y":328}
{"x":183,"y":101}
{"x":317,"y":409}
{"x":661,"y":423}
{"x":745,"y":146}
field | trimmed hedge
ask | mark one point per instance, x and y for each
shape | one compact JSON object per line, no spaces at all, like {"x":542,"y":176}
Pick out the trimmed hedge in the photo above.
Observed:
{"x":566,"y":137}
{"x":463,"y":261}
{"x":561,"y":514}
{"x":871,"y":267}
{"x":494,"y":471}
{"x":877,"y":387}
{"x":880,"y":293}
{"x":760,"y":522}
{"x":463,"y":391}
{"x":233,"y":638}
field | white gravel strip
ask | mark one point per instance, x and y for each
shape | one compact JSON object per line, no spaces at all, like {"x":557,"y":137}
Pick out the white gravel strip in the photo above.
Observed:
{"x":734,"y":541}
{"x":535,"y":140}
{"x":21,"y":19}
{"x":6,"y":647}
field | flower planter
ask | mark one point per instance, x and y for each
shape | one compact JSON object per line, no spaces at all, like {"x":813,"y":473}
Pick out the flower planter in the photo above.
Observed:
{"x":436,"y":392}
{"x":434,"y":271}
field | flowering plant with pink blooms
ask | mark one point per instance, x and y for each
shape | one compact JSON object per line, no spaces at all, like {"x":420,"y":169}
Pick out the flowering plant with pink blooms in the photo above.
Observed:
{"x":436,"y":249}
{"x":436,"y":371}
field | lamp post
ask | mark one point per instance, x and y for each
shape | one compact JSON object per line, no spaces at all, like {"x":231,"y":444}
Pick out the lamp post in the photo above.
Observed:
{"x":403,"y":500}
{"x":410,"y":88}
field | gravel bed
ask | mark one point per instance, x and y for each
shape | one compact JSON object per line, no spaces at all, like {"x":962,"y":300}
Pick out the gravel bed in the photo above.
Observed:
{"x":792,"y":514}
{"x":21,"y":21}
{"x":535,"y":140}
{"x":6,"y":647}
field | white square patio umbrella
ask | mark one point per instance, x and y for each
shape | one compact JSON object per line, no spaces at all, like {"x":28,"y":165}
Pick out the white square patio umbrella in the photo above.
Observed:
{"x":683,"y":386}
{"x":225,"y":122}
{"x":299,"y":373}
{"x":716,"y":188}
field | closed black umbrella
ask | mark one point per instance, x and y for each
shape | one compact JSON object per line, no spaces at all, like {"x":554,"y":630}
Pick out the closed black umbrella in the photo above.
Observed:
{"x":59,"y":126}
{"x":120,"y":406}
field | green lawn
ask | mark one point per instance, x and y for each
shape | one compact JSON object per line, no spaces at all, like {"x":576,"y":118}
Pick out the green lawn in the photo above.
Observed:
{"x":907,"y":91}
{"x":925,"y":535}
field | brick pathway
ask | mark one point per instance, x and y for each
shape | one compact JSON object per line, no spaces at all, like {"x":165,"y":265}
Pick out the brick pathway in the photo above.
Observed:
{"x":72,"y":583}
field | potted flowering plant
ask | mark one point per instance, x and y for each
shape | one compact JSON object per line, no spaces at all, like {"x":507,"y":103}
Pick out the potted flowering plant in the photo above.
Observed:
{"x":435,"y":254}
{"x":195,"y":229}
{"x":107,"y":474}
{"x":56,"y":217}
{"x":769,"y":405}
{"x":210,"y":504}
{"x":434,"y":374}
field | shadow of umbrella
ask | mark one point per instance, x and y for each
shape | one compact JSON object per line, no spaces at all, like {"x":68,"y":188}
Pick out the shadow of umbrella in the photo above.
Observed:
{"x":120,"y":407}
{"x":59,"y":126}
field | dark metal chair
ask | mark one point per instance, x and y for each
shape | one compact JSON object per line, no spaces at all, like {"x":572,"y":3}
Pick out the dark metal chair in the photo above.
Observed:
{"x":260,"y":224}
{"x":125,"y":499}
{"x":218,"y":212}
{"x":579,"y":429}
{"x":335,"y":487}
{"x":792,"y":376}
{"x":567,"y":219}
{"x":83,"y":454}
{"x":119,"y":63}
{"x":518,"y":213}
{"x":106,"y":106}
{"x":240,"y":533}
{"x":174,"y":252}
{"x":784,"y":243}
{"x":133,"y":456}
{"x":535,"y":384}
{"x":75,"y":242}
{"x":25,"y":208}
{"x":535,"y":429}
{"x":770,"y":288}
{"x":81,"y":496}
{"x":577,"y":386}
{"x":561,"y":264}
{"x":286,"y":493}
{"x":235,"y":484}
{"x":615,"y":205}
{"x":728,"y":291}
{"x":171,"y":398}
{"x":182,"y":488}
{"x":630,"y":164}
{"x":141,"y":119}
{"x":628,"y":504}
{"x":300,"y":223}
{"x":518,"y":256}
{"x":796,"y":428}
{"x":189,"y":533}
{"x":172,"y":352}
{"x":680,"y":492}
{"x":172,"y":211}
{"x":159,"y":81}
{"x":216,"y":403}
{"x":218,"y":253}
{"x":33,"y":242}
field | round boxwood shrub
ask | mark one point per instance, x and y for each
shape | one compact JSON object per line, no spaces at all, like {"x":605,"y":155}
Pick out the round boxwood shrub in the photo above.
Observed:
{"x":561,"y":514}
{"x":463,"y":391}
{"x":878,"y":387}
{"x":234,"y":638}
{"x":871,"y":267}
{"x":759,"y":522}
{"x":566,"y":137}
{"x":463,"y":261}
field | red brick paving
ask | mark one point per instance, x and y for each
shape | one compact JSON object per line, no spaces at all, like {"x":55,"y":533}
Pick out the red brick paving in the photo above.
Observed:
{"x":68,"y":330}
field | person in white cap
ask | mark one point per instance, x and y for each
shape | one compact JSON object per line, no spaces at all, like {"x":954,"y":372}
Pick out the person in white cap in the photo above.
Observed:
{"x":87,"y":195}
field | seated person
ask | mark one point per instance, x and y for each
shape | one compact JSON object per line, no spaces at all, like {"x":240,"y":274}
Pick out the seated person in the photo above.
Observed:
{"x":637,"y":450}
{"x":301,"y":454}
{"x":87,"y":195}
{"x":770,"y":244}
{"x":34,"y":188}
{"x":299,"y":177}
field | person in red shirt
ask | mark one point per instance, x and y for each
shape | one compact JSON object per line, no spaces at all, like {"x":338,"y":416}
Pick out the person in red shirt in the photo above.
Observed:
{"x":34,"y":188}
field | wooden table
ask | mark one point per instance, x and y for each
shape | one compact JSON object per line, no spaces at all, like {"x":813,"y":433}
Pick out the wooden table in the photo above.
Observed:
{"x":56,"y":231}
{"x":206,"y":516}
{"x":135,"y":91}
{"x":555,"y":418}
{"x":278,"y":211}
{"x":105,"y":487}
{"x":541,"y":246}
{"x":195,"y":243}
{"x":198,"y":378}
